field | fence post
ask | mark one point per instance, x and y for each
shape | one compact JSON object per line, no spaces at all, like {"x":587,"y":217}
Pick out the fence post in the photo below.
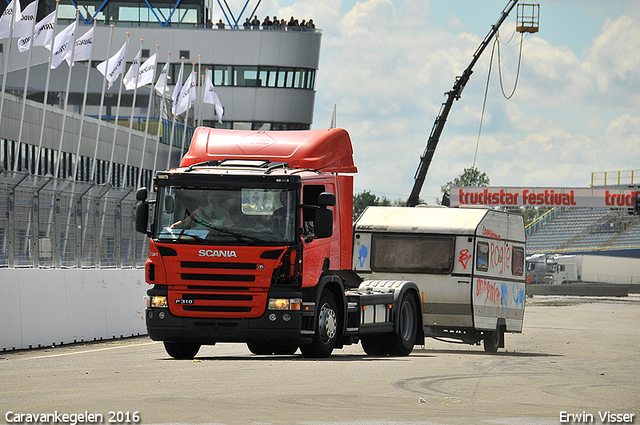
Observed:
{"x":34,"y":238}
{"x":11,"y":231}
{"x":57,"y":236}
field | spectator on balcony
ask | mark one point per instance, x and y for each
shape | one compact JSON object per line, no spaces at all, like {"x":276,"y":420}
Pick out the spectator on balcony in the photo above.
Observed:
{"x":255,"y":23}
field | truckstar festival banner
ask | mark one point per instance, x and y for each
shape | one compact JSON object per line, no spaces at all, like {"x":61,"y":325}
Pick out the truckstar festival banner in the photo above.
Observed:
{"x":543,"y":197}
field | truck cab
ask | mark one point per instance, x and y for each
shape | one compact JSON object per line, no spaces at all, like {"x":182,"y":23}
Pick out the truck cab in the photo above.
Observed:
{"x":244,"y":237}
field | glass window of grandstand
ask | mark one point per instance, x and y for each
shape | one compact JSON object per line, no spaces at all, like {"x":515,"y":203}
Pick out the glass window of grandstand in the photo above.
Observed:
{"x":222,"y":75}
{"x":174,"y":70}
{"x":268,"y":76}
{"x":246,"y":76}
{"x":137,"y":12}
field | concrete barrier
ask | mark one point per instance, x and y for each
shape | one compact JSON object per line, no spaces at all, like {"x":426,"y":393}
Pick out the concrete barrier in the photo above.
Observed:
{"x":46,"y":307}
{"x":593,"y":290}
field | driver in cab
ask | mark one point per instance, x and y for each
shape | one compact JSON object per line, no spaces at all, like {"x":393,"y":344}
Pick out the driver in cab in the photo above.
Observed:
{"x":211,"y":215}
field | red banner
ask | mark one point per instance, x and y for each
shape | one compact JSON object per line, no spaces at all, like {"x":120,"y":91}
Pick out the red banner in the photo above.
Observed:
{"x":543,"y":197}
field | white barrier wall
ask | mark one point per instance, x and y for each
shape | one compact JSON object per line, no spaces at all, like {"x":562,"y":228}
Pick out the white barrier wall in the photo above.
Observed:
{"x":45,"y":307}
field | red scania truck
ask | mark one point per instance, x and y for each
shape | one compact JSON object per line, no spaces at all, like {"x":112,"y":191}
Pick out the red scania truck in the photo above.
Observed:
{"x":251,"y":241}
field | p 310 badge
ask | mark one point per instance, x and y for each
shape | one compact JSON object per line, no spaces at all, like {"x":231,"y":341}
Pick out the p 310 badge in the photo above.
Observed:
{"x":184,"y":301}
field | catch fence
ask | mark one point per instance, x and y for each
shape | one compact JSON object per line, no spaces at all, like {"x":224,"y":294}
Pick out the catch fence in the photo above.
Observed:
{"x":47,"y":222}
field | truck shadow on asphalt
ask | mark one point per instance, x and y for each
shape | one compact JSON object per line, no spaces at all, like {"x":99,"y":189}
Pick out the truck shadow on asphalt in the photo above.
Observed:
{"x":363,"y":357}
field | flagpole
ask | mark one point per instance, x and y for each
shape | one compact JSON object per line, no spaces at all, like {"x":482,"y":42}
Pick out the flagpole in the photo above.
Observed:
{"x":133,"y":108}
{"x":115,"y":129}
{"x":84,"y":104}
{"x":104,"y":86}
{"x":146,"y":127}
{"x":162,"y":106}
{"x":66,"y":97}
{"x":46,"y":91}
{"x":173,"y":122}
{"x":186,"y":117}
{"x":6,"y":71}
{"x":26,"y":81}
{"x":200,"y":93}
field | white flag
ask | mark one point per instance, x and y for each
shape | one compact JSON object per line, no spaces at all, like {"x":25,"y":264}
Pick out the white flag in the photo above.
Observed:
{"x":116,"y":66}
{"x":24,"y":21}
{"x":187,"y":94}
{"x":177,"y":89}
{"x":147,"y":71}
{"x":129,"y":78}
{"x":62,"y":44}
{"x":210,"y":96}
{"x":12,"y":9}
{"x":42,"y":34}
{"x":161,"y":84}
{"x":82,"y":51}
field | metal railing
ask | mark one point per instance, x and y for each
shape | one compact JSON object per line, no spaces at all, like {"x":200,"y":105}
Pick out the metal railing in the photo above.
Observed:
{"x":47,"y":222}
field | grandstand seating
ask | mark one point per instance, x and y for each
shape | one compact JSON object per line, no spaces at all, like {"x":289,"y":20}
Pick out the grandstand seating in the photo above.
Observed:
{"x":586,"y":229}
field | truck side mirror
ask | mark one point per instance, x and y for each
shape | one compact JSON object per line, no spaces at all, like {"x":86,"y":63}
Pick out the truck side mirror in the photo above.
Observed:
{"x":142,"y":194}
{"x":326,"y":199}
{"x":323,"y":223}
{"x":142,"y":211}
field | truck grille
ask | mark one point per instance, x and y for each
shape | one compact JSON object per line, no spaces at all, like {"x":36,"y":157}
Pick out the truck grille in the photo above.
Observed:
{"x":211,"y":289}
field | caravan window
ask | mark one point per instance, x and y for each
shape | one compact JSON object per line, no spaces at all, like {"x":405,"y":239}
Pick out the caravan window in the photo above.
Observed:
{"x":517,"y":261}
{"x":419,"y":254}
{"x":482,"y":259}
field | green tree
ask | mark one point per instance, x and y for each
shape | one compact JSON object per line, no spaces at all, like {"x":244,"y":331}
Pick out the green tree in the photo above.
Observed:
{"x":469,"y":177}
{"x":361,"y":201}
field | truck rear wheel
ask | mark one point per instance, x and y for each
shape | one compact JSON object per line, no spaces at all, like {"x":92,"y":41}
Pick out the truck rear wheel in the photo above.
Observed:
{"x":182,"y":350}
{"x":402,"y":342}
{"x":327,"y":326}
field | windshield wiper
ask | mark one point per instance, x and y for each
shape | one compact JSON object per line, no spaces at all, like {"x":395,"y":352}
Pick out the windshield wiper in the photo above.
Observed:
{"x":238,"y":236}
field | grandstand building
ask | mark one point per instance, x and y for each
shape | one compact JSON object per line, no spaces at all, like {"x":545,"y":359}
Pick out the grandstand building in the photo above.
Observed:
{"x":604,"y":231}
{"x":264,"y":76}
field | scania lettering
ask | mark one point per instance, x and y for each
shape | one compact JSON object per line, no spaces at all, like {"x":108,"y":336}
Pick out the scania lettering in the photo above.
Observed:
{"x":213,"y":253}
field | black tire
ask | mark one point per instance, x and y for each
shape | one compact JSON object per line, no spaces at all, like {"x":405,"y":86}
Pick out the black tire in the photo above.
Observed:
{"x":182,"y":350}
{"x":285,"y":349}
{"x":327,"y":328}
{"x":374,"y":345}
{"x":260,"y":348}
{"x":492,"y":342}
{"x":402,"y":342}
{"x":264,"y":348}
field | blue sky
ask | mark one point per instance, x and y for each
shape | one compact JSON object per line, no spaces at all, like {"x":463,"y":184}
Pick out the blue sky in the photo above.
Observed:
{"x":387,"y":64}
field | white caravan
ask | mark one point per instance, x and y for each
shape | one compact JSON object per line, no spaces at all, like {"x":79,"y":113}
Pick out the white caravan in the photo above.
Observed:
{"x":468,"y":264}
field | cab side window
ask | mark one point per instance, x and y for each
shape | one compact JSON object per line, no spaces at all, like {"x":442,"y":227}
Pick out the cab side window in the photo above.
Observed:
{"x":310,"y":195}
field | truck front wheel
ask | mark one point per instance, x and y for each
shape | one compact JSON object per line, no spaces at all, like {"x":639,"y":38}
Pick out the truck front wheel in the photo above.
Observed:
{"x":182,"y":350}
{"x":326,"y":335}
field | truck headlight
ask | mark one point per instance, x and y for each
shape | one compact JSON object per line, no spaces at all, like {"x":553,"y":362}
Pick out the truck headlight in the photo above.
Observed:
{"x":285,"y":303}
{"x":157,"y":301}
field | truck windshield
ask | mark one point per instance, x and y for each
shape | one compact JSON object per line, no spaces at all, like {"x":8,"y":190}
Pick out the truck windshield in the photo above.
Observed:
{"x":217,"y":216}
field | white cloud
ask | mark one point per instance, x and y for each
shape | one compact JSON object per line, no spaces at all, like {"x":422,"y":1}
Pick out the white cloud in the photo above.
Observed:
{"x":387,"y":64}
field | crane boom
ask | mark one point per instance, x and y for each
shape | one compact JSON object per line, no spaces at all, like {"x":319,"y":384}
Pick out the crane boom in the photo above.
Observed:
{"x":441,"y":119}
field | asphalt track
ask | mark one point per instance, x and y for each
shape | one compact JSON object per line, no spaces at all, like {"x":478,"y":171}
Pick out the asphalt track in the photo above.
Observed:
{"x":576,"y":356}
